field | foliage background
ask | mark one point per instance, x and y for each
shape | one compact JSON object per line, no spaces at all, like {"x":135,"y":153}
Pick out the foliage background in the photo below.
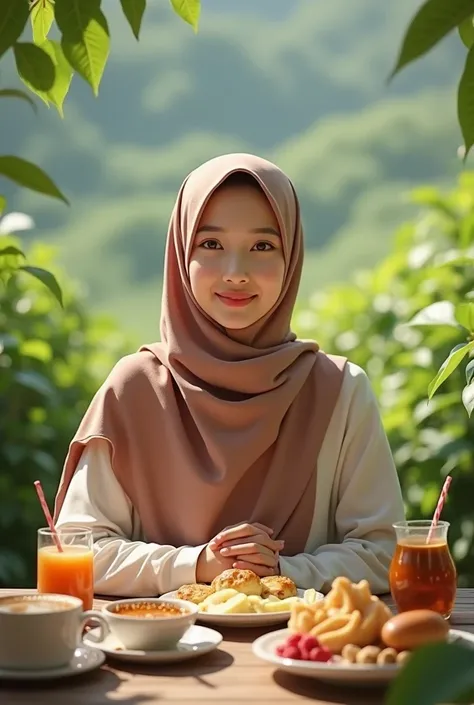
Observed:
{"x":302,"y":83}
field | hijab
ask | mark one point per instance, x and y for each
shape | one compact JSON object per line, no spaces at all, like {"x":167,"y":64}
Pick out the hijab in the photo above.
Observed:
{"x":211,"y":427}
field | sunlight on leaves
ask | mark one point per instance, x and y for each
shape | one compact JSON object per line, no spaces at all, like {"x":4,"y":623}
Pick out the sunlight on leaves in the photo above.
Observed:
{"x":189,"y":11}
{"x":455,"y":358}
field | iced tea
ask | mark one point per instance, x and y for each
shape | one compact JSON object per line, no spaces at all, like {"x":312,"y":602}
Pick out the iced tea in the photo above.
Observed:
{"x":422,"y":571}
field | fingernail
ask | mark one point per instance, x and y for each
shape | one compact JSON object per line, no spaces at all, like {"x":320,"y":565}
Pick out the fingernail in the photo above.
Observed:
{"x":224,"y":550}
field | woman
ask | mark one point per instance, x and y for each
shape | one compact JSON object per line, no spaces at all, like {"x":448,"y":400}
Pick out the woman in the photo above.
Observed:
{"x":231,"y":443}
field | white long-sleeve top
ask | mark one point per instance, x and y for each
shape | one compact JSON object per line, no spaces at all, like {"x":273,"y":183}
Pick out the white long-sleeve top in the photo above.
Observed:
{"x":357,"y":500}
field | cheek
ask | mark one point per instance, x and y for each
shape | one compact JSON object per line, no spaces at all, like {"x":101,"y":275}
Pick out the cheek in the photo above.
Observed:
{"x":271,"y":271}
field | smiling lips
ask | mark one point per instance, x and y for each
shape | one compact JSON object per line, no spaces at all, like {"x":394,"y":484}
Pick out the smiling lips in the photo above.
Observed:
{"x":236,"y":298}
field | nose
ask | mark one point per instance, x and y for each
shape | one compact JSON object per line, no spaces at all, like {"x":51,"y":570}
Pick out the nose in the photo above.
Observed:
{"x":235,"y":271}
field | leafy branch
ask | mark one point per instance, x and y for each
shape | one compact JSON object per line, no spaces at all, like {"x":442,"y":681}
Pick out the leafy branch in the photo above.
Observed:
{"x":435,"y":20}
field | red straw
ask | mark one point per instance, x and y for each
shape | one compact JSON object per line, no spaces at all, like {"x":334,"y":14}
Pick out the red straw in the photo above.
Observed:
{"x":47,"y":514}
{"x":439,"y":507}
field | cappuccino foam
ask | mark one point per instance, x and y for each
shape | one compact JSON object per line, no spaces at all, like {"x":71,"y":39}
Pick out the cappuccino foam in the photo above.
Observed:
{"x":32,"y":606}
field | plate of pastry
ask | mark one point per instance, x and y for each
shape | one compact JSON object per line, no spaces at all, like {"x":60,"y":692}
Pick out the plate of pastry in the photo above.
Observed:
{"x":240,"y":598}
{"x":351,"y":637}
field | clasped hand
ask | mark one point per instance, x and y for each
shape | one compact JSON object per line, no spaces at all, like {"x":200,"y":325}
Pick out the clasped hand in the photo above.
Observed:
{"x":243,"y":546}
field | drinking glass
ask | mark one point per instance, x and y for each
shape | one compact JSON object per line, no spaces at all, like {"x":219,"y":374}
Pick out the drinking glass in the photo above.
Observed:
{"x":70,"y":571}
{"x":422,"y":572}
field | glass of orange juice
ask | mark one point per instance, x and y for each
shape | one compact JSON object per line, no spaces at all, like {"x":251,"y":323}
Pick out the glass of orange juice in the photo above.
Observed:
{"x":422,"y":572}
{"x":70,"y":571}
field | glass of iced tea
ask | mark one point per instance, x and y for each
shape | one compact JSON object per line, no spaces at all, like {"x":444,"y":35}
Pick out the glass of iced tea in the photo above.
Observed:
{"x":422,"y":571}
{"x":70,"y":571}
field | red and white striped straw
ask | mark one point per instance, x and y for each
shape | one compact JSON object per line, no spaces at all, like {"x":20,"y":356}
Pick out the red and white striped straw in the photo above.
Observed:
{"x":47,"y":514}
{"x":439,"y":507}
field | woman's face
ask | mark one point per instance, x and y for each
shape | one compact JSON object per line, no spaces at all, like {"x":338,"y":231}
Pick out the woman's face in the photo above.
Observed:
{"x":237,"y":266}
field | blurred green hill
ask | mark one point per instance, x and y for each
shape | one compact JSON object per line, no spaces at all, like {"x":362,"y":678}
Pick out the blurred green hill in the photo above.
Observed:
{"x":300,"y":82}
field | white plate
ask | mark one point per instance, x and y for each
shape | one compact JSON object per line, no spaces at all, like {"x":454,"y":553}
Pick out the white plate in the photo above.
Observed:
{"x":86,"y":658}
{"x":336,"y":673}
{"x":244,"y":620}
{"x":195,"y":642}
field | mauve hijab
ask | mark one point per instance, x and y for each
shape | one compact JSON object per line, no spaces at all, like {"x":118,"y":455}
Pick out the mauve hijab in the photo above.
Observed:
{"x":211,"y":427}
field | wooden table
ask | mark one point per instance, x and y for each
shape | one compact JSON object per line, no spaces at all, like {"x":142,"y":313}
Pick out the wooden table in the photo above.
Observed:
{"x":229,"y":675}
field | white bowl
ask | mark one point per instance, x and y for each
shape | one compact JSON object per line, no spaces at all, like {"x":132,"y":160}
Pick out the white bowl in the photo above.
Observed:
{"x":149,"y":633}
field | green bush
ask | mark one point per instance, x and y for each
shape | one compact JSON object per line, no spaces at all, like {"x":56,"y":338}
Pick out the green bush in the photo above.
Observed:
{"x":366,"y":320}
{"x":52,"y":361}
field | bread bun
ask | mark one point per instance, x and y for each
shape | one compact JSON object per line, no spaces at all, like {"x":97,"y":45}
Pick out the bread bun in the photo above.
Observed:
{"x":279,"y":586}
{"x":408,"y":630}
{"x":195,"y":592}
{"x":245,"y":581}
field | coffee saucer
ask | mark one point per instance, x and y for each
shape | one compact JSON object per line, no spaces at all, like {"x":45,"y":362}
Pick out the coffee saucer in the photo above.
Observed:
{"x":195,"y":642}
{"x":85,"y":659}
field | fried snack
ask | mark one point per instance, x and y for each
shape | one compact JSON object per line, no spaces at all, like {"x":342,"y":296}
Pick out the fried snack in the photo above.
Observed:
{"x":351,"y":653}
{"x":278,"y":586}
{"x":403,"y":656}
{"x":245,"y":581}
{"x":349,"y":614}
{"x":194,"y":592}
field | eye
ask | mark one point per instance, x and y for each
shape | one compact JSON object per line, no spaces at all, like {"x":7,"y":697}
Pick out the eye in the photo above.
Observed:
{"x":211,"y":245}
{"x":263,"y":246}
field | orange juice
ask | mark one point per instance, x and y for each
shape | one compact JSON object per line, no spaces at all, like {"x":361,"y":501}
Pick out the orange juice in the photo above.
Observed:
{"x":70,"y":572}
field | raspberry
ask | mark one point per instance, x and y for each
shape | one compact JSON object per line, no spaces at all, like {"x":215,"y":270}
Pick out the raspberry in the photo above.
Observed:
{"x":321,"y":654}
{"x":291,"y":652}
{"x":280,"y":649}
{"x":294,"y":639}
{"x":308,"y":642}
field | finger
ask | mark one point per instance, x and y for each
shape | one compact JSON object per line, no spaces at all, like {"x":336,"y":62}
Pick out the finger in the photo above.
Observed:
{"x":260,"y":570}
{"x":262,"y":559}
{"x":264,"y":528}
{"x":259,"y":539}
{"x":235,"y":532}
{"x":245,"y":549}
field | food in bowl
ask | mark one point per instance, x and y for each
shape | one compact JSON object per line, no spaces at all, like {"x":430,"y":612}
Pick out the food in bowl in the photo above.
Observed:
{"x":149,"y":610}
{"x":149,"y":624}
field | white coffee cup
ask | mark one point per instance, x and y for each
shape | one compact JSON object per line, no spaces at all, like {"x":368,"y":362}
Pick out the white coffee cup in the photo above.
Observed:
{"x":40,"y":631}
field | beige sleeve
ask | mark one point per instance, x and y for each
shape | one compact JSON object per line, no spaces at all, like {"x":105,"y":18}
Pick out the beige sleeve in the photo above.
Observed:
{"x":366,"y":497}
{"x":123,"y":564}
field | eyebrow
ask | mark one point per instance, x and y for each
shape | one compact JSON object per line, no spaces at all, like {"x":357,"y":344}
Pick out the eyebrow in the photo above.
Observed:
{"x":255,"y":231}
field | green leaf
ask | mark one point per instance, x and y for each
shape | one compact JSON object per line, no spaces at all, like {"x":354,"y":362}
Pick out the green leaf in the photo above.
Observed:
{"x":35,"y":67}
{"x":35,"y":381}
{"x":470,"y":372}
{"x":465,"y":316}
{"x":30,"y":176}
{"x":133,"y":11}
{"x":48,"y":279}
{"x":433,"y":21}
{"x":439,"y":314}
{"x":466,"y":102}
{"x":85,"y":41}
{"x":466,"y":32}
{"x":438,"y":673}
{"x":42,"y":17}
{"x":468,"y":398}
{"x":189,"y":11}
{"x":15,"y":93}
{"x":3,"y":203}
{"x":11,"y":250}
{"x":454,"y":359}
{"x":13,"y":18}
{"x":63,"y":74}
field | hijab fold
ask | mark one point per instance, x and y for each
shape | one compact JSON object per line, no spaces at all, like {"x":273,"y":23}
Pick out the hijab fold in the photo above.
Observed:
{"x":211,"y":427}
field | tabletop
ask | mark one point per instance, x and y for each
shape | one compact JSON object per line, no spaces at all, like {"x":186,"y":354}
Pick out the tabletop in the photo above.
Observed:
{"x":230,"y":675}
